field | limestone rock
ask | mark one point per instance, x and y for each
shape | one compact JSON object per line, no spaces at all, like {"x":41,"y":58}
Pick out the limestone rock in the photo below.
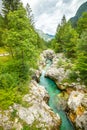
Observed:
{"x":77,"y":104}
{"x":58,"y":75}
{"x":75,"y":100}
{"x":84,"y":101}
{"x":37,"y":111}
{"x":48,"y":54}
{"x":81,"y":121}
{"x":36,"y":75}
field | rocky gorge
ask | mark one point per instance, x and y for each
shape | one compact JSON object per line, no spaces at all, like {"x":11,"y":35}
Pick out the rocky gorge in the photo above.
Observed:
{"x":34,"y":114}
{"x":37,"y":114}
{"x":73,"y":97}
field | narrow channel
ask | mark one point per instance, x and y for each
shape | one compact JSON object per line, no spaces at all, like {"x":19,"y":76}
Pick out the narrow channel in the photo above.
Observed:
{"x":53,"y":92}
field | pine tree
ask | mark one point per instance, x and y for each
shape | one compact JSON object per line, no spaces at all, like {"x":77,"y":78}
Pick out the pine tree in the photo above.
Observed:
{"x":59,"y":34}
{"x":1,"y":29}
{"x":21,"y":40}
{"x":29,"y":14}
{"x":10,"y":5}
{"x":81,"y":62}
{"x":66,"y":38}
{"x":63,"y":21}
{"x":82,"y":23}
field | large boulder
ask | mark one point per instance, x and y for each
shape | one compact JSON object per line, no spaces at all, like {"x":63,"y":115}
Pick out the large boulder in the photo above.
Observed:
{"x":77,"y":104}
{"x":58,"y":72}
{"x":75,"y":100}
{"x":58,"y":75}
{"x":81,"y":121}
{"x":44,"y":57}
{"x":48,"y":54}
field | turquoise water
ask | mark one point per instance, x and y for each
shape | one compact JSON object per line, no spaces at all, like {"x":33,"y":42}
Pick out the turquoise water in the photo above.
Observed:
{"x":53,"y":91}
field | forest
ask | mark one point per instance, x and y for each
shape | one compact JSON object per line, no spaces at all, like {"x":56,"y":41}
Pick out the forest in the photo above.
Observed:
{"x":72,"y":41}
{"x":19,"y":39}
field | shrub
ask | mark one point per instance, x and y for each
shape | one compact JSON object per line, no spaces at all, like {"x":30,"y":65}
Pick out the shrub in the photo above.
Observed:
{"x":7,"y":81}
{"x":73,"y":76}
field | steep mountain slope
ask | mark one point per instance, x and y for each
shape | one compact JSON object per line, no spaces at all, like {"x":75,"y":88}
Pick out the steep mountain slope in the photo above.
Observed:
{"x":45,"y":36}
{"x":80,"y":11}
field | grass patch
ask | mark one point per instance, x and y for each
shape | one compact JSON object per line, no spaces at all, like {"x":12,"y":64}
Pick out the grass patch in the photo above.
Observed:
{"x":8,"y":97}
{"x":4,"y":59}
{"x":33,"y":126}
{"x":1,"y":128}
{"x":12,"y":95}
{"x":2,"y":50}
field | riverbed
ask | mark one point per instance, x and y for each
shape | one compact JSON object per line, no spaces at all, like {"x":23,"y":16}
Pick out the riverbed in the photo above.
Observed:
{"x":53,"y":92}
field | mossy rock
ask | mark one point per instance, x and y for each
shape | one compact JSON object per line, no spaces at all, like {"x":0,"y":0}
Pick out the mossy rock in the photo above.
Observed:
{"x":63,"y":95}
{"x":1,"y":128}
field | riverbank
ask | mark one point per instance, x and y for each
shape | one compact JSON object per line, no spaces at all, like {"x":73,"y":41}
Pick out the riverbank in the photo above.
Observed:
{"x":54,"y":102}
{"x":33,"y":113}
{"x":73,"y":93}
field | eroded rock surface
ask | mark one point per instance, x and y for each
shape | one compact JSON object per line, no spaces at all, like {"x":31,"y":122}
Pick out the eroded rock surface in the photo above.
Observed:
{"x":78,"y":109}
{"x":37,"y":111}
{"x":46,"y":55}
{"x":57,"y":71}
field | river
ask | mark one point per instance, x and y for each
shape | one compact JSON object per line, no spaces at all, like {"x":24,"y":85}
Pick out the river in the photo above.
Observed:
{"x":53,"y":92}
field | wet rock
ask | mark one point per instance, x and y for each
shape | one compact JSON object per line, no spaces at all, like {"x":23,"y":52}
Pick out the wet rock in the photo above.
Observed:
{"x":61,"y":102}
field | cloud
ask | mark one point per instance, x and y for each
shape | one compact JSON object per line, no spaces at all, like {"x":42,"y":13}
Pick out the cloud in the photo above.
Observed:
{"x":48,"y":13}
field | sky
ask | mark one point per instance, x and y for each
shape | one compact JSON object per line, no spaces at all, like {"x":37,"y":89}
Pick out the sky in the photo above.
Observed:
{"x":48,"y":13}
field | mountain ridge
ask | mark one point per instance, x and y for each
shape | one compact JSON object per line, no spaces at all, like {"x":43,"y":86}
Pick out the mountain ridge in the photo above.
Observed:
{"x":45,"y":36}
{"x":80,"y":11}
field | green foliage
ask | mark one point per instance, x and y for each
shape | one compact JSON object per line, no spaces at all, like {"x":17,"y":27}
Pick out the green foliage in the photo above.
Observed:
{"x":65,"y":39}
{"x":21,"y":42}
{"x":80,"y":11}
{"x":74,"y":46}
{"x":82,"y":23}
{"x":14,"y":114}
{"x":32,"y":127}
{"x":10,"y":5}
{"x":7,"y":80}
{"x":81,"y":62}
{"x":66,"y":64}
{"x":73,"y":76}
{"x":1,"y":128}
{"x":23,"y":45}
{"x":8,"y":97}
{"x":27,"y":127}
{"x":29,"y":14}
{"x":1,"y":30}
